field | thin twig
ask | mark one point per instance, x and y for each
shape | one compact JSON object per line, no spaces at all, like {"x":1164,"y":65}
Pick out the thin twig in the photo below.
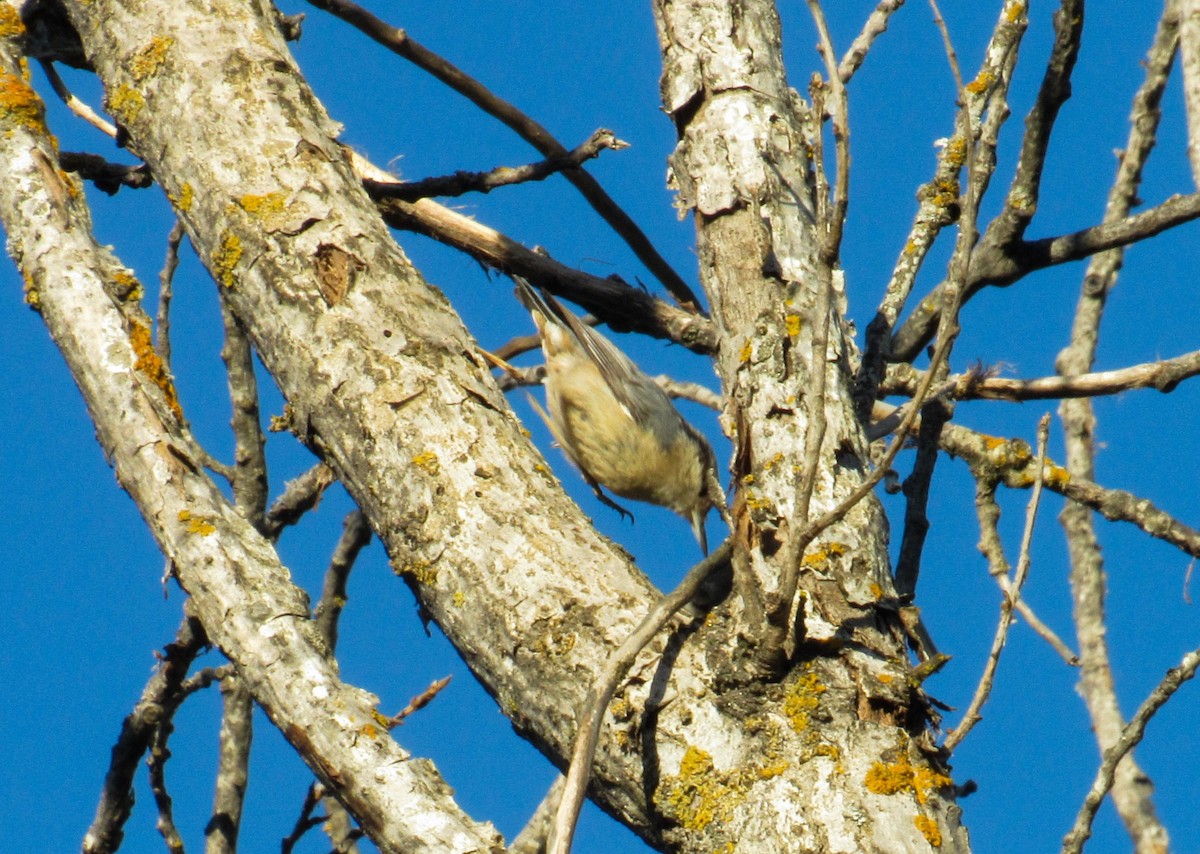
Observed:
{"x":938,"y":204}
{"x":299,"y":496}
{"x":1021,"y":203}
{"x":157,"y":765}
{"x":1131,"y":735}
{"x":420,"y":701}
{"x":75,"y":105}
{"x":356,"y":534}
{"x":1008,"y":603}
{"x":105,"y":834}
{"x":461,"y":183}
{"x":399,"y":42}
{"x":306,"y":821}
{"x":591,"y":713}
{"x":233,"y":763}
{"x":624,"y":308}
{"x":1132,"y":788}
{"x":162,"y":338}
{"x":107,"y":176}
{"x":1164,"y":376}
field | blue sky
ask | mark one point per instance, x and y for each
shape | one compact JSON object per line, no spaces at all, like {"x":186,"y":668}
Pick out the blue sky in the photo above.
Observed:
{"x":82,"y":592}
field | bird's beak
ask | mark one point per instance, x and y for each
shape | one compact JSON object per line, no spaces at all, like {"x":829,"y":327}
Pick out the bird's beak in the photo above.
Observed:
{"x":698,"y":529}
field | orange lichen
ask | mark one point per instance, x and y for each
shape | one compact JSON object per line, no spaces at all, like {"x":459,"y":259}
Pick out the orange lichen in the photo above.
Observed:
{"x":929,"y":829}
{"x":10,"y":22}
{"x":20,"y":104}
{"x":151,"y":365}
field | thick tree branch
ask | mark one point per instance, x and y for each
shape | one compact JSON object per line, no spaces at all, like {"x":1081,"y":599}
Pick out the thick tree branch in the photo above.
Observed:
{"x":234,"y":577}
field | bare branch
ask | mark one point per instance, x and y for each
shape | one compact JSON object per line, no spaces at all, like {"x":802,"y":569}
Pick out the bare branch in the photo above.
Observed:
{"x":233,"y":763}
{"x":1131,"y":735}
{"x":299,"y":496}
{"x":1022,"y":200}
{"x":1189,"y":53}
{"x":162,"y":321}
{"x":157,"y":764}
{"x":161,"y":693}
{"x":938,"y":204}
{"x":1164,"y":376}
{"x":75,"y":105}
{"x":1132,"y":788}
{"x":534,"y":835}
{"x":875,"y":26}
{"x":1012,"y":462}
{"x":461,"y":183}
{"x":623,"y":307}
{"x":399,"y":42}
{"x":1011,"y":594}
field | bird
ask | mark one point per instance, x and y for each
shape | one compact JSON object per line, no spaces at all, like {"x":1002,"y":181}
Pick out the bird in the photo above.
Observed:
{"x":615,"y":423}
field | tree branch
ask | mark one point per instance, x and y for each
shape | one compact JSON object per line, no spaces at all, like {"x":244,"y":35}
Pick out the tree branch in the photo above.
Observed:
{"x":399,"y":42}
{"x":1012,"y":594}
{"x":1164,"y":376}
{"x":461,"y":183}
{"x":1131,"y":735}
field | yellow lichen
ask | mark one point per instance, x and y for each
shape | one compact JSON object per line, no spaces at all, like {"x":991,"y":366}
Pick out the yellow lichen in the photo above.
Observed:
{"x":33,"y":299}
{"x":10,"y":22}
{"x":151,"y":365}
{"x":428,"y":461}
{"x":1014,"y":12}
{"x":746,"y":352}
{"x":226,"y":257}
{"x":146,"y":60}
{"x":125,"y":104}
{"x":792,"y":321}
{"x":420,"y":571}
{"x":127,"y":286}
{"x":196,"y":524}
{"x":270,"y":208}
{"x":803,"y":696}
{"x":699,"y":794}
{"x":1057,"y":477}
{"x":20,"y":104}
{"x":956,"y":151}
{"x":185,"y":198}
{"x":820,"y":558}
{"x":929,"y":829}
{"x":889,"y":778}
{"x":459,"y":598}
{"x":981,"y":83}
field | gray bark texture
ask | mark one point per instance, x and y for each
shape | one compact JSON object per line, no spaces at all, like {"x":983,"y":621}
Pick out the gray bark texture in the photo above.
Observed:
{"x":710,"y":745}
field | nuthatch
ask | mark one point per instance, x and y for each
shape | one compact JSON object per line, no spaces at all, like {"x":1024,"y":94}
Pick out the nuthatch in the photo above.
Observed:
{"x":615,"y":423}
